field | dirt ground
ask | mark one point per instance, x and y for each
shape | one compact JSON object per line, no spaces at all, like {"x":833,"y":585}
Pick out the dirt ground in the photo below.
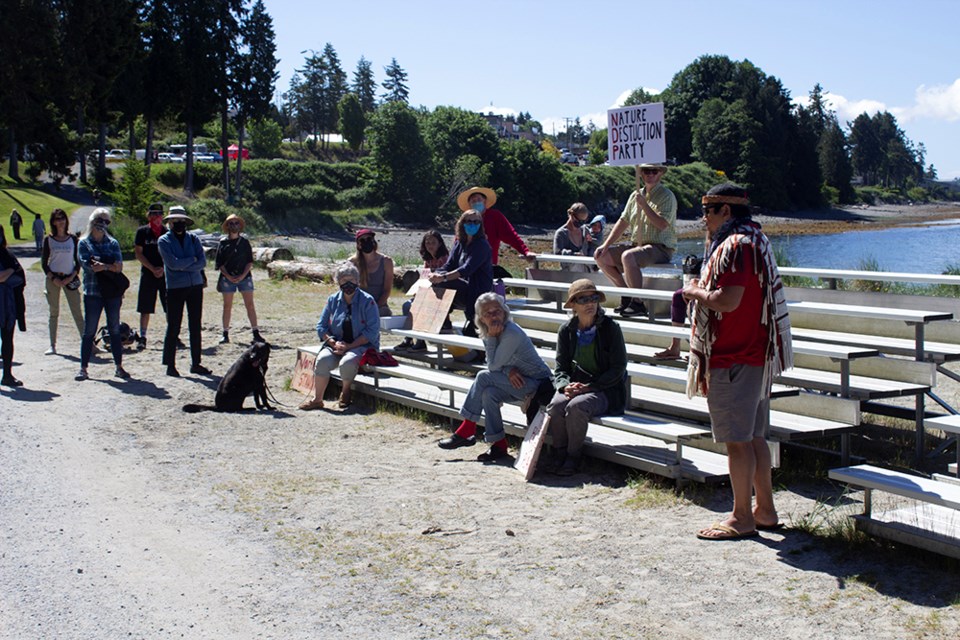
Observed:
{"x":122,"y":516}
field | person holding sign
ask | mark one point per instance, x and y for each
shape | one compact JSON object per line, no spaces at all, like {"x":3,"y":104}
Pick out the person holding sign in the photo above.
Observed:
{"x":495,"y":224}
{"x":590,"y":376}
{"x":468,"y":269}
{"x":514,"y":371}
{"x":649,"y":220}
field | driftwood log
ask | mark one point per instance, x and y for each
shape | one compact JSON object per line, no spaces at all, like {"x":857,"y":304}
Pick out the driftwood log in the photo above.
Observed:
{"x":262,"y":256}
{"x":323,"y":272}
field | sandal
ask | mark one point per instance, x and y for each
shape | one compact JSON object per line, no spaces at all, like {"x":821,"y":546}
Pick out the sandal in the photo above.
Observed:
{"x":344,"y":402}
{"x":311,"y":405}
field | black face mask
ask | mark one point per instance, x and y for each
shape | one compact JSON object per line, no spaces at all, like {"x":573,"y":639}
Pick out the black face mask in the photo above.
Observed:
{"x":348,"y":287}
{"x":368,"y":246}
{"x":179,"y":227}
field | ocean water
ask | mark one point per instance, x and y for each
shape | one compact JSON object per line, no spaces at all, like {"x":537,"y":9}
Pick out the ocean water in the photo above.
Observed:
{"x":932,"y":248}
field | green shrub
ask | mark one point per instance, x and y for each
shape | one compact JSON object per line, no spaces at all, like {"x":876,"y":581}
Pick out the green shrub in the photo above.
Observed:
{"x":168,"y":174}
{"x":211,"y":192}
{"x":830,"y":194}
{"x":363,"y":196}
{"x":918,"y":194}
{"x":209,"y":214}
{"x":279,"y":201}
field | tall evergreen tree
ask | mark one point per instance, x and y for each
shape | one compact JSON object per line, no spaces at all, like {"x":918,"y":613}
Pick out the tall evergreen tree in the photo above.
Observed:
{"x":353,"y":121}
{"x":335,"y":87}
{"x":834,"y":161}
{"x":256,"y":74}
{"x":395,"y":83}
{"x":160,"y":66}
{"x":364,"y":85}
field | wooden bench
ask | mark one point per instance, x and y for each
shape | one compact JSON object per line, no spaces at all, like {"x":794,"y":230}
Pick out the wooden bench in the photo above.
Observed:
{"x":934,"y":524}
{"x":948,"y":424}
{"x":831,"y":276}
{"x":647,"y":442}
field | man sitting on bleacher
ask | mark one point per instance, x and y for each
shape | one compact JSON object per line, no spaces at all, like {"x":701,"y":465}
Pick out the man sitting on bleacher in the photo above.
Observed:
{"x":740,"y":340}
{"x":650,"y":220}
{"x":514,"y":371}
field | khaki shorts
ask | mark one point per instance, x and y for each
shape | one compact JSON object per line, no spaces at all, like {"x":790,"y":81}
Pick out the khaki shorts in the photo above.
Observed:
{"x":643,"y":256}
{"x":739,"y":407}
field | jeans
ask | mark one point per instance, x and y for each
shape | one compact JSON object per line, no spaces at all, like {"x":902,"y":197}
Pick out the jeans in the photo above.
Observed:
{"x":489,"y":390}
{"x":92,"y":306}
{"x":192,"y":297}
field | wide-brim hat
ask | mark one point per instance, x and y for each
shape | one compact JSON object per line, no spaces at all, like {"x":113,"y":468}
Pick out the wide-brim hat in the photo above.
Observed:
{"x":178,"y":213}
{"x":233,"y":218}
{"x":464,"y":197}
{"x":581,"y":287}
{"x":654,"y":165}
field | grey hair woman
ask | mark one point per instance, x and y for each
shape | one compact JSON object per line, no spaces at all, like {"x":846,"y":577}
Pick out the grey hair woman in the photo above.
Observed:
{"x":348,"y":326}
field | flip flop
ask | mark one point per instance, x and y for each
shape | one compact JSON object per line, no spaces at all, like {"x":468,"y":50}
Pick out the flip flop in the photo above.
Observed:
{"x":311,"y":405}
{"x":729,"y":533}
{"x":770,"y":527}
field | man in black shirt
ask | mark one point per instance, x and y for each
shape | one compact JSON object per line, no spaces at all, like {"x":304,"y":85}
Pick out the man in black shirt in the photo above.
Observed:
{"x":152,"y":282}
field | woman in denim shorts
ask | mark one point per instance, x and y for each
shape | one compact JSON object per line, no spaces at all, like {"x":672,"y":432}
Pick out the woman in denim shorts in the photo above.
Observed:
{"x":235,"y":263}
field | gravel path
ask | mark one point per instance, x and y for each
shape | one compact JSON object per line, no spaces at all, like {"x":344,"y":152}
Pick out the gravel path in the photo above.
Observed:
{"x":124,"y":517}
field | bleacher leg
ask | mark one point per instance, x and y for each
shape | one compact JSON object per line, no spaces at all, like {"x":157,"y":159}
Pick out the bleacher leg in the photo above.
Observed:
{"x":867,"y":501}
{"x":845,"y":449}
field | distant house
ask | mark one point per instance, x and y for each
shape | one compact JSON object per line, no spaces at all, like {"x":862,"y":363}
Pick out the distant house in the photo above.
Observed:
{"x":509,"y":129}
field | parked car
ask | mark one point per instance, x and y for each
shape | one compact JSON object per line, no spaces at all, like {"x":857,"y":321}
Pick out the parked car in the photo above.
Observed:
{"x":117,"y":155}
{"x":165,"y":156}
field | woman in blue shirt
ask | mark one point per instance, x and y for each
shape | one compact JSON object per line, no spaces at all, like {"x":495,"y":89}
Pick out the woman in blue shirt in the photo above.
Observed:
{"x":99,"y":252}
{"x":348,"y":326}
{"x":469,"y":268}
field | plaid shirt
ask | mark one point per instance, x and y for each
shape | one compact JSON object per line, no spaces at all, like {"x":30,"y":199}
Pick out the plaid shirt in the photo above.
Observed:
{"x":107,"y":250}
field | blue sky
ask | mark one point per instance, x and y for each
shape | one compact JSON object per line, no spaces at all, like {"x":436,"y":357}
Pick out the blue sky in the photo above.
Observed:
{"x":558,"y":59}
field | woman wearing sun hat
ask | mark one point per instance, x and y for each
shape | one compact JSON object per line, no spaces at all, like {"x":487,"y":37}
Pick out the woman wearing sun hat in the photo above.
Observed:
{"x":496,"y":225}
{"x":183,"y":263}
{"x":590,"y":376}
{"x":235,"y":264}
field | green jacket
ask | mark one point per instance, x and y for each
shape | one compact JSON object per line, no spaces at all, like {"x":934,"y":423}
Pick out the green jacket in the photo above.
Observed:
{"x":611,"y":357}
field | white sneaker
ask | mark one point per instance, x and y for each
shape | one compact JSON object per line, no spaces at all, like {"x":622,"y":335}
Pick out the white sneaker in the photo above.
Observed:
{"x":52,"y":351}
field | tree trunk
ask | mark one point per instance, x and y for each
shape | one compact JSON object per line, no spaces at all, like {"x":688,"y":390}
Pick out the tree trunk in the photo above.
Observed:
{"x":82,"y":153}
{"x":133,"y":142}
{"x":236,"y":187}
{"x":188,"y":170}
{"x":149,"y":145}
{"x":14,"y":170}
{"x":225,"y":157}
{"x":101,"y":152}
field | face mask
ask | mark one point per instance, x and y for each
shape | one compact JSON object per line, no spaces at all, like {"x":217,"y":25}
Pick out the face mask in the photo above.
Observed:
{"x":180,"y":226}
{"x":471,"y":228}
{"x":101,"y":225}
{"x":479,"y":206}
{"x":156,"y":224}
{"x":348,"y":287}
{"x":368,"y":246}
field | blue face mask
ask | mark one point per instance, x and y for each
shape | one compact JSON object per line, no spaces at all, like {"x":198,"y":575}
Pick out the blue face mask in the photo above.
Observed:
{"x":471,"y":228}
{"x":479,"y":206}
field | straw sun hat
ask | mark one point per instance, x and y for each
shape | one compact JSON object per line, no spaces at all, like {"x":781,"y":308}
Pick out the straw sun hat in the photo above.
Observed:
{"x":579,"y":288}
{"x":464,"y":197}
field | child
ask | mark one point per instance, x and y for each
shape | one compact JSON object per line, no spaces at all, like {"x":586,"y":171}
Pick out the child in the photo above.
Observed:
{"x":434,"y":253}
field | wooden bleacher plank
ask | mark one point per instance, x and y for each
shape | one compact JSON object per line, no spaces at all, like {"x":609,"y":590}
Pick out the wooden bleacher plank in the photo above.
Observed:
{"x":901,"y":484}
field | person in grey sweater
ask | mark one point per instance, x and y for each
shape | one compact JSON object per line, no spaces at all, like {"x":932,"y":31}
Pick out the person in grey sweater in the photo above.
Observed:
{"x":514,"y":371}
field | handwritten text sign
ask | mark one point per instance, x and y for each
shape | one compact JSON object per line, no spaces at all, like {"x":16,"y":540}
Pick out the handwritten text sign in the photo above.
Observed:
{"x":635,"y":135}
{"x":430,"y":308}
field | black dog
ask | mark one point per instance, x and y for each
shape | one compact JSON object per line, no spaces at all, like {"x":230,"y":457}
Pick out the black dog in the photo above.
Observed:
{"x":246,"y":376}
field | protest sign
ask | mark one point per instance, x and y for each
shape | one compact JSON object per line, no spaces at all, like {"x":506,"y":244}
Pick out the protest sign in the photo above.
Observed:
{"x":635,"y":135}
{"x":430,"y":308}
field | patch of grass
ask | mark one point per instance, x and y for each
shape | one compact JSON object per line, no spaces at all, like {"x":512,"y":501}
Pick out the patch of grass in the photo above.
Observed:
{"x":830,"y":521}
{"x":651,"y":492}
{"x":29,"y":200}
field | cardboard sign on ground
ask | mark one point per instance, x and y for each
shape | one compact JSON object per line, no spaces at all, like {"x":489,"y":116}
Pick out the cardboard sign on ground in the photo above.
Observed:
{"x":430,"y":308}
{"x":532,"y":443}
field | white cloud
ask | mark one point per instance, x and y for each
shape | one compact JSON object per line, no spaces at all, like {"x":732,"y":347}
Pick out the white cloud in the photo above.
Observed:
{"x":499,"y":111}
{"x":940,"y":102}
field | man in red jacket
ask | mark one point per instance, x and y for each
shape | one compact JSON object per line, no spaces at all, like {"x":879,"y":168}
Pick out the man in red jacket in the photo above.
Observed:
{"x":495,"y":224}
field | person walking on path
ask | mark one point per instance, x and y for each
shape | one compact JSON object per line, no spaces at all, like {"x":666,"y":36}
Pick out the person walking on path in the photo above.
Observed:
{"x":15,"y":223}
{"x":650,"y":220}
{"x":61,"y":266}
{"x":100,"y":253}
{"x":235,"y":264}
{"x":152,"y":280}
{"x":739,"y":341}
{"x":39,"y":230}
{"x":12,"y":308}
{"x":183,"y":263}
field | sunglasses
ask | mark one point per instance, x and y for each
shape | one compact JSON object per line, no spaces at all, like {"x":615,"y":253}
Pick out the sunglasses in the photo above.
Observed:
{"x":649,"y":172}
{"x":710,"y":208}
{"x":590,"y":299}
